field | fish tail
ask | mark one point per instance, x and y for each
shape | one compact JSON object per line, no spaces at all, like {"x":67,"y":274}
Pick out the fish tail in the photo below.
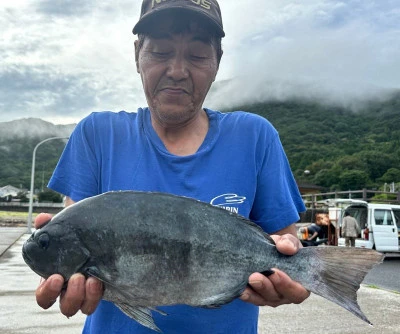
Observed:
{"x":336,"y":273}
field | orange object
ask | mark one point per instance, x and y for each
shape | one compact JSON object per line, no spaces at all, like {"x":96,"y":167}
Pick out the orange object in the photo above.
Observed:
{"x":305,"y":234}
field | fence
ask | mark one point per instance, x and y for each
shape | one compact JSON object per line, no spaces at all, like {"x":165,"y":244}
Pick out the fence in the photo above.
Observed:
{"x":375,"y":196}
{"x":37,"y":207}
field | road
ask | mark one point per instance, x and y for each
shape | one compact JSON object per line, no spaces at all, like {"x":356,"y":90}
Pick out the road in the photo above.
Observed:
{"x":386,"y":275}
{"x":19,"y":313}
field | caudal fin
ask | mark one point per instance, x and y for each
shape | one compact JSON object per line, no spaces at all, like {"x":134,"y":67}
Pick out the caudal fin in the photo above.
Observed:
{"x":341,"y":271}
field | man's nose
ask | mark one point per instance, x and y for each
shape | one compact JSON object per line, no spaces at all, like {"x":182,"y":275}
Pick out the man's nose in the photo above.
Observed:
{"x":178,"y":68}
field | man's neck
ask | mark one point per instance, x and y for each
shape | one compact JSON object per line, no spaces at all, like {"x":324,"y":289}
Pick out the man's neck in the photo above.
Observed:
{"x":184,"y":139}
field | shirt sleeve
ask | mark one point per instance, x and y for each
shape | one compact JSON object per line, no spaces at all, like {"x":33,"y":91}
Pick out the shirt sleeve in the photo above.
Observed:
{"x":277,"y":201}
{"x":76,"y":174}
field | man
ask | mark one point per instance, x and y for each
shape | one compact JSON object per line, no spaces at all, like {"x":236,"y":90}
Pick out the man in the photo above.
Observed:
{"x":350,"y":229}
{"x":313,"y":231}
{"x":234,"y":160}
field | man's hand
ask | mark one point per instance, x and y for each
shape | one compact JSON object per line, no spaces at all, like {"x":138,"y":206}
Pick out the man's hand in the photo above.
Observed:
{"x":80,"y":294}
{"x":278,"y":288}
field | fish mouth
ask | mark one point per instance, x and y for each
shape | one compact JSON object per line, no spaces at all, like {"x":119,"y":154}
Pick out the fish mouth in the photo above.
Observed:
{"x":25,"y":254}
{"x":28,"y":243}
{"x":30,"y":264}
{"x":28,"y":260}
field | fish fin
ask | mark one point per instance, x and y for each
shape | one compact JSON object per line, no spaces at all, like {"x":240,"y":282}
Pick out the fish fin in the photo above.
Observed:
{"x":223,"y":298}
{"x":268,"y":272}
{"x":93,"y":271}
{"x":141,"y":314}
{"x":108,"y":282}
{"x":258,"y":229}
{"x":338,"y":273}
{"x":269,"y":239}
{"x":158,"y":311}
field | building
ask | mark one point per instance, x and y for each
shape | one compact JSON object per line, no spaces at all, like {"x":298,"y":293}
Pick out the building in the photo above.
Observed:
{"x":9,"y":192}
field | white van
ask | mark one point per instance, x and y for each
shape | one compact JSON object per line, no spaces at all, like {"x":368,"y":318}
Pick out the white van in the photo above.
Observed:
{"x":380,"y":224}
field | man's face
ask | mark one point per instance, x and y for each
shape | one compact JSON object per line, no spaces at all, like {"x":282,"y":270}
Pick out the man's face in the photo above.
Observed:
{"x":177,"y":70}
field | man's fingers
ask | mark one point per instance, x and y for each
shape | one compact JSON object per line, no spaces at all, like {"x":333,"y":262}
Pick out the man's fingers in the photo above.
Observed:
{"x":41,"y":219}
{"x":81,"y":294}
{"x":49,"y":290}
{"x":287,"y":244}
{"x":261,"y":291}
{"x":72,"y":299}
{"x":274,"y":290}
{"x":93,"y":294}
{"x":290,"y":290}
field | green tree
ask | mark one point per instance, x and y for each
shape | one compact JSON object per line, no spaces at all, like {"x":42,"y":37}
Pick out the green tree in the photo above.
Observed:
{"x":353,"y":179}
{"x":50,"y":196}
{"x":377,"y":162}
{"x":327,"y":177}
{"x":391,"y":175}
{"x":351,"y":162}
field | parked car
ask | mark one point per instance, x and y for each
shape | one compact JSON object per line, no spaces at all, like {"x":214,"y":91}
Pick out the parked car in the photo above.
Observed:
{"x":380,"y":224}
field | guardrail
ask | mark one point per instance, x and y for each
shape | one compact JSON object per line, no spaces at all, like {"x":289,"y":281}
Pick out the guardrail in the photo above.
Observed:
{"x":364,"y":195}
{"x":37,"y":207}
{"x":26,"y":205}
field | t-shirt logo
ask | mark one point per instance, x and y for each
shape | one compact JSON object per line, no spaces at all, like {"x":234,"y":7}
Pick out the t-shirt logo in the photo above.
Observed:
{"x":228,"y":202}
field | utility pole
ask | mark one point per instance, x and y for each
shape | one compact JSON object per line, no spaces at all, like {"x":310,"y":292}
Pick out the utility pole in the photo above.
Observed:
{"x":33,"y":180}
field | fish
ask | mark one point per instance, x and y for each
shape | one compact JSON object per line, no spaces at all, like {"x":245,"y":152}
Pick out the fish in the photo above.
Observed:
{"x":153,"y":249}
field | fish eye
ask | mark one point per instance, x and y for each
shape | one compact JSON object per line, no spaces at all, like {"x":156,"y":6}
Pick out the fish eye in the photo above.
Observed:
{"x":44,"y":241}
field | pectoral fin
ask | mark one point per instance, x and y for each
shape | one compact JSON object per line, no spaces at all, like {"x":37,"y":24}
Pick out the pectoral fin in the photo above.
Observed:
{"x":119,"y":297}
{"x":223,"y":298}
{"x":141,"y":314}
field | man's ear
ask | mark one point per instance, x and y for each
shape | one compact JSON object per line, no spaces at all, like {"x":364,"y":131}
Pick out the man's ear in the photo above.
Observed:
{"x":219,"y":61}
{"x":222,"y":53}
{"x":137,"y":55}
{"x":215,"y":76}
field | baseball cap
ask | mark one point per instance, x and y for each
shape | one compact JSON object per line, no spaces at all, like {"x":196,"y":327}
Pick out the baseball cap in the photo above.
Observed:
{"x":207,"y":9}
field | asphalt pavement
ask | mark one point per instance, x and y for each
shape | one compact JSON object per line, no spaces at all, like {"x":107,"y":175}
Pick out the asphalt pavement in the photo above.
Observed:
{"x":8,"y":236}
{"x":19,"y":312}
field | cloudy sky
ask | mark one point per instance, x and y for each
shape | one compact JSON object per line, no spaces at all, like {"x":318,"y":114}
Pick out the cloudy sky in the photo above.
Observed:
{"x":62,"y":59}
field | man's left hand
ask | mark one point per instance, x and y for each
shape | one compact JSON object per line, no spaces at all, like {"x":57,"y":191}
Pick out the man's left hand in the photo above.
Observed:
{"x":278,"y":288}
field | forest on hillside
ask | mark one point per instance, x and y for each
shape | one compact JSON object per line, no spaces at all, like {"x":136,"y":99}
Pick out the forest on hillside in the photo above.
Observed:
{"x":341,"y":149}
{"x":336,"y":148}
{"x":16,"y":161}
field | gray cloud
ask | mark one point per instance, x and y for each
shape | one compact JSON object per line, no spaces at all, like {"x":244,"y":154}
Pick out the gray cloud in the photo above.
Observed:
{"x":64,"y":59}
{"x":49,"y":91}
{"x":341,"y":52}
{"x":66,"y":7}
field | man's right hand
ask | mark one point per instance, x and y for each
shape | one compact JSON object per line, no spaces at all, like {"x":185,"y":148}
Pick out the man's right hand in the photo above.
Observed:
{"x":81,"y":293}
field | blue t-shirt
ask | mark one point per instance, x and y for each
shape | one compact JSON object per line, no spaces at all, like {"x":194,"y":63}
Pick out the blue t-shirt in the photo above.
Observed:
{"x":240,"y":166}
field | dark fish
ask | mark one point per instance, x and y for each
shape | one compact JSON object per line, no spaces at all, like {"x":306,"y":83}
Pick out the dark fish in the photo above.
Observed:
{"x":203,"y":255}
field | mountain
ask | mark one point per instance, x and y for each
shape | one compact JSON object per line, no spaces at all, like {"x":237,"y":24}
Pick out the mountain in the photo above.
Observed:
{"x":33,"y":128}
{"x":328,"y":145}
{"x":247,"y":90}
{"x":18,"y":139}
{"x":340,"y":148}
